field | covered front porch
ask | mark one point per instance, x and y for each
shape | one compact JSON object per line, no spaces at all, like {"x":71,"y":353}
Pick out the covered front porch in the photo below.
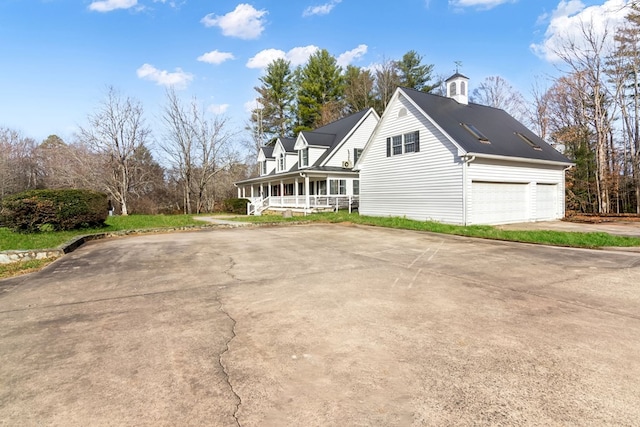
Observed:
{"x":301,"y":192}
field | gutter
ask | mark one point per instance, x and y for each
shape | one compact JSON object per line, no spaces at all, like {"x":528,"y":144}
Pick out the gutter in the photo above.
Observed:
{"x":519,"y":159}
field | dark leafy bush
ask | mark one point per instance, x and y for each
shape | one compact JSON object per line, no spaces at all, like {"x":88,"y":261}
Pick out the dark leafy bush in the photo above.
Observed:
{"x":236,"y":206}
{"x":53,"y":210}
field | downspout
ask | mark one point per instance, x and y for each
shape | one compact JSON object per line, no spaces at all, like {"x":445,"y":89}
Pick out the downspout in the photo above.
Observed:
{"x":466,"y":160}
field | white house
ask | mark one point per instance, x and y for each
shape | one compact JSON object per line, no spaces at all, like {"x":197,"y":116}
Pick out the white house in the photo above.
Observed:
{"x":313,"y":171}
{"x":444,"y":159}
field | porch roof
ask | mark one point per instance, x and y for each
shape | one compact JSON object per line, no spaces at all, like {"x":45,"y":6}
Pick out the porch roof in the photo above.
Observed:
{"x":319,"y":172}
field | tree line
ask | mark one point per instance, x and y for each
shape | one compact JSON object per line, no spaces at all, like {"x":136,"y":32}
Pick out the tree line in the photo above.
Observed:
{"x":112,"y":154}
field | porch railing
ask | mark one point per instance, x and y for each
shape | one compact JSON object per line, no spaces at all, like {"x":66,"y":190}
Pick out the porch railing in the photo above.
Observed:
{"x":300,"y":202}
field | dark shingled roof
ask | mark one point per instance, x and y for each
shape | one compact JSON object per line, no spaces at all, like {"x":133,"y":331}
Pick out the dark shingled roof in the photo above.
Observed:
{"x":336,"y":130}
{"x":497,"y":125}
{"x":267,"y":150}
{"x":288,"y":144}
{"x":456,"y":75}
{"x":317,"y":138}
{"x":332,"y":134}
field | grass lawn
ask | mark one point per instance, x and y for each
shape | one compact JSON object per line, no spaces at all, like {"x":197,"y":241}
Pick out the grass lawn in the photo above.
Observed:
{"x":556,"y":238}
{"x":18,"y":241}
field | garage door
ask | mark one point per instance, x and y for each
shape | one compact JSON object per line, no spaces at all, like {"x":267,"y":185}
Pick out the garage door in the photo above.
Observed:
{"x":546,"y":201}
{"x":498,"y":203}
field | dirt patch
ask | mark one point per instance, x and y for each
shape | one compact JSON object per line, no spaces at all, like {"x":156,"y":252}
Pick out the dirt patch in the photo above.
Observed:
{"x":602,"y":218}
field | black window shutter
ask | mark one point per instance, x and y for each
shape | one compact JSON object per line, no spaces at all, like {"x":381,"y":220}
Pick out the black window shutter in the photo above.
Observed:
{"x":388,"y":147}
{"x":417,"y":139}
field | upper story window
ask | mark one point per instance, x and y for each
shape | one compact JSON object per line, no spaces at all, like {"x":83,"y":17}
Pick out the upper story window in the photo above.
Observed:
{"x":281,"y":162}
{"x":303,"y":157}
{"x":357,"y":152}
{"x":401,"y":144}
{"x":263,"y":167}
{"x":396,"y":144}
{"x":409,"y":142}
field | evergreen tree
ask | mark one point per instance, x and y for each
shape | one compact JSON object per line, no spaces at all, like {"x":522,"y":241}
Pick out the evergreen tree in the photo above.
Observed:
{"x":413,"y":74}
{"x":320,"y":91}
{"x":276,"y":97}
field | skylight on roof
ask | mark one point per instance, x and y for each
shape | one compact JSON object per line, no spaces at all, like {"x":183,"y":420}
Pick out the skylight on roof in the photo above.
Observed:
{"x":528,"y":141}
{"x":476,"y":133}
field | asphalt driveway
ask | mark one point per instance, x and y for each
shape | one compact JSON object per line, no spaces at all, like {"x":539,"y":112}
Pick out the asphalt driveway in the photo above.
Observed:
{"x":319,"y":325}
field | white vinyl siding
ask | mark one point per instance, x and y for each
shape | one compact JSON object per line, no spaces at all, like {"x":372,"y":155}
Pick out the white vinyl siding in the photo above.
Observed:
{"x":315,"y":154}
{"x":426,"y":185}
{"x":357,"y":139}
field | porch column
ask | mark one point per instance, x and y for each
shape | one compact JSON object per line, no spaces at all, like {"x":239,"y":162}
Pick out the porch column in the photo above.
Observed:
{"x":239,"y":193}
{"x":306,"y":191}
{"x":251,"y":191}
{"x":295,"y":190}
{"x":281,"y":192}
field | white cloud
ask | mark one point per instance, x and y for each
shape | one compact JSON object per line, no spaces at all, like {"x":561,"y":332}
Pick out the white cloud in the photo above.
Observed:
{"x":218,"y":108}
{"x":109,"y":5}
{"x":479,"y":4}
{"x":566,"y":23}
{"x":300,"y":55}
{"x":244,"y":22}
{"x":171,"y":3}
{"x":215,"y":57}
{"x":178,"y":79}
{"x":297,"y":56}
{"x":265,"y":57}
{"x":352,"y":55}
{"x":322,"y":9}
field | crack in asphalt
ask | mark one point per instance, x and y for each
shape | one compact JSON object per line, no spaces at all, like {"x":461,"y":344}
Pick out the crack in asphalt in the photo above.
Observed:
{"x":232,"y":264}
{"x":222,"y":365}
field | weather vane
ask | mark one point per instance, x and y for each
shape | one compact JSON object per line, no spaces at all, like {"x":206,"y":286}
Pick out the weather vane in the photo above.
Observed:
{"x":458,"y":65}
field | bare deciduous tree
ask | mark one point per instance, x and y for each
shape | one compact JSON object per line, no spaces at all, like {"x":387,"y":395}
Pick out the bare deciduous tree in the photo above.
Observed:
{"x":17,"y":169}
{"x":115,"y":131}
{"x":497,"y":92}
{"x":586,"y":57}
{"x":198,"y":148}
{"x":387,"y":79}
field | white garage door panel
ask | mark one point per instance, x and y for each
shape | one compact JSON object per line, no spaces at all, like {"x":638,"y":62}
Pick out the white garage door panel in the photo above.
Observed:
{"x":498,"y":203}
{"x":546,"y":201}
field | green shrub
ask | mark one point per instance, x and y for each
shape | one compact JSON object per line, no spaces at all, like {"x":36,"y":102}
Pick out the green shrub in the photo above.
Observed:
{"x":236,"y":206}
{"x":53,"y":210}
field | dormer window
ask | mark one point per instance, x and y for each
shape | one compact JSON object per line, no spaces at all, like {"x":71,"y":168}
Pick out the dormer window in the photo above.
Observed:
{"x":529,"y":142}
{"x":263,"y":167}
{"x":475,"y":132}
{"x":281,"y":162}
{"x":303,"y":157}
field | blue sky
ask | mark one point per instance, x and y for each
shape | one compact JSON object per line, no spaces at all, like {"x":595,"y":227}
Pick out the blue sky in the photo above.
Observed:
{"x":59,"y":56}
